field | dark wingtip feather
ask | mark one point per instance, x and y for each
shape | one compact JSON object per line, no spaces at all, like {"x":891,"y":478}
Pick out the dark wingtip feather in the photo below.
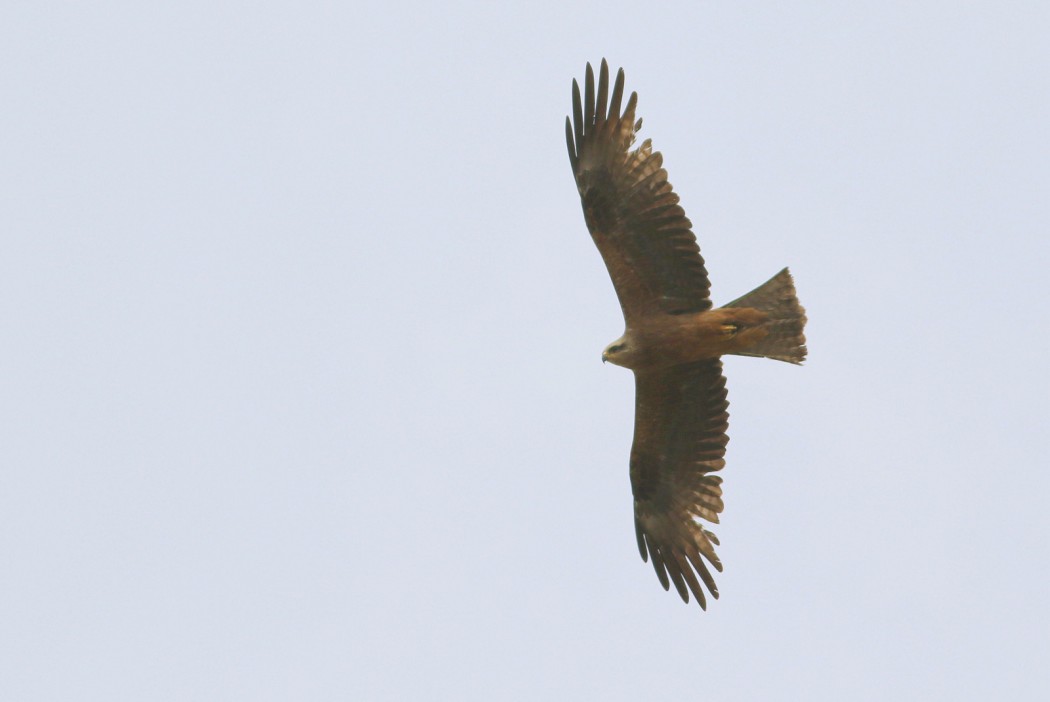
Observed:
{"x":577,"y":114}
{"x":588,"y":97}
{"x":632,"y":103}
{"x":658,"y":566}
{"x":641,"y":541}
{"x":617,"y":96}
{"x":676,"y":577}
{"x":603,"y":93}
{"x":573,"y":159}
{"x":690,"y":578}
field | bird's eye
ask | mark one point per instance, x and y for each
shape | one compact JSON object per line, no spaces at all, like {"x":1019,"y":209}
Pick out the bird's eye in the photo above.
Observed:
{"x":616,"y":349}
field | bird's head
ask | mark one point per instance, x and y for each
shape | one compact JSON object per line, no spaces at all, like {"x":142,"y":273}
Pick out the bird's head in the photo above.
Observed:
{"x":617,"y":352}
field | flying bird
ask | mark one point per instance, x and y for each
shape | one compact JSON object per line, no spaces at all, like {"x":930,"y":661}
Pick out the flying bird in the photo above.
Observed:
{"x":674,"y":339}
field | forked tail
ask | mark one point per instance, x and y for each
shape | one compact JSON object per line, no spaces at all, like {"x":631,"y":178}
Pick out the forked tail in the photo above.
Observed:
{"x":785,"y":340}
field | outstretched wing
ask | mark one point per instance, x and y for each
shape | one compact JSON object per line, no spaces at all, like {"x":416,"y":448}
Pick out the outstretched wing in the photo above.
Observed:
{"x":632,"y":212}
{"x":679,"y":443}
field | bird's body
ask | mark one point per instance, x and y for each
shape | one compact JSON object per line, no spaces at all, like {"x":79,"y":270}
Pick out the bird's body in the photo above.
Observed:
{"x":674,"y":340}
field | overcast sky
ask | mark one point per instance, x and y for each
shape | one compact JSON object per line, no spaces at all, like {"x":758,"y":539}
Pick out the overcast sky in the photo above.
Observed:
{"x":300,"y":382}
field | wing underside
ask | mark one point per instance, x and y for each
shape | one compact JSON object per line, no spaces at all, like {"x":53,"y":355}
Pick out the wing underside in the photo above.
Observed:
{"x":630,"y":208}
{"x":681,"y":418}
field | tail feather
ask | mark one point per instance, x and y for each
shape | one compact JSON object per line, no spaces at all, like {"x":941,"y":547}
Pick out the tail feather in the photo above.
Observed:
{"x":785,"y":340}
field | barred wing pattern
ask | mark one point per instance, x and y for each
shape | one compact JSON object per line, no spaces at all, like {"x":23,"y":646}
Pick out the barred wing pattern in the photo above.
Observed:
{"x":631,"y":210}
{"x":680,"y":442}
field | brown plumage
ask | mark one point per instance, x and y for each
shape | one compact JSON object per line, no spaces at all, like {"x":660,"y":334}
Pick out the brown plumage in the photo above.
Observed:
{"x":673,"y":339}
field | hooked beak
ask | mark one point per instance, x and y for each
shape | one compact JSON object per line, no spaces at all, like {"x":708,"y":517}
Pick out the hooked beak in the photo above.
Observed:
{"x":605,"y":357}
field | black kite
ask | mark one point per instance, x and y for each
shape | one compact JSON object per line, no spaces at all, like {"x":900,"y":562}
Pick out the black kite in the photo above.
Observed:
{"x":673,"y":339}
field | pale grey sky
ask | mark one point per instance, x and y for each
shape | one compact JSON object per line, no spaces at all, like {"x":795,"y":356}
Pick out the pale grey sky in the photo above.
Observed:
{"x":300,"y":388}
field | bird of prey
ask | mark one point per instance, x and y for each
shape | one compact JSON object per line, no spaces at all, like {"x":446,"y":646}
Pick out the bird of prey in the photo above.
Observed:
{"x":674,"y":338}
